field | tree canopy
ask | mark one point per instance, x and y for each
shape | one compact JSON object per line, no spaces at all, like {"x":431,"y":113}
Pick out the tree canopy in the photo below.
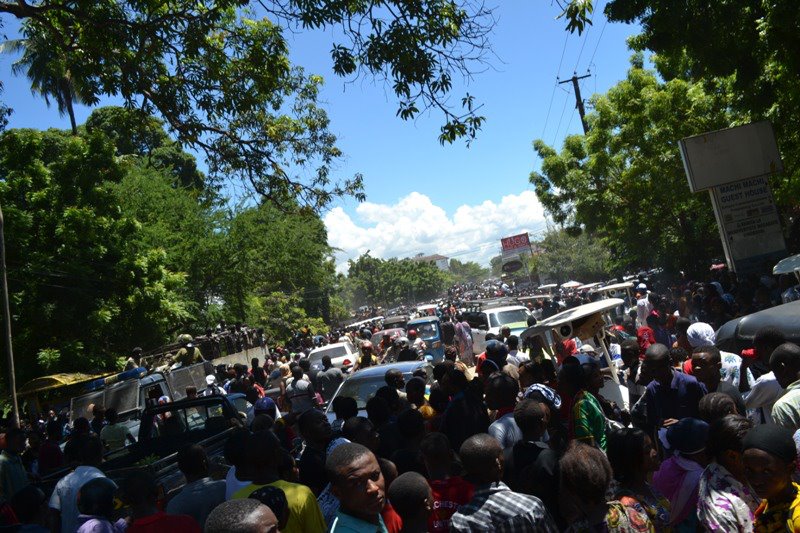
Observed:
{"x":218,"y":74}
{"x":112,"y":241}
{"x":624,"y":181}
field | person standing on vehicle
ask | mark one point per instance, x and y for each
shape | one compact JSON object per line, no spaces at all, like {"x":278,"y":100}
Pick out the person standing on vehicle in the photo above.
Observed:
{"x":300,"y":393}
{"x":189,"y":353}
{"x":329,"y":378}
{"x":134,"y":361}
{"x":212,"y":389}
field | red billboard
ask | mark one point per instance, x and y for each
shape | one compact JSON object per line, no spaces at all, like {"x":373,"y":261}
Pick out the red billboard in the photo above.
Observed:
{"x":515,"y":242}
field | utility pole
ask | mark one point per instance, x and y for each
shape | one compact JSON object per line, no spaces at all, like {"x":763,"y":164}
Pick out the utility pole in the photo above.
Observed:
{"x":578,"y":100}
{"x":12,"y":380}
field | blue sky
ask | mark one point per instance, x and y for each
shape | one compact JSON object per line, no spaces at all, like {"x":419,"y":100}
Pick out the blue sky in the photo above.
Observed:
{"x":421,"y":196}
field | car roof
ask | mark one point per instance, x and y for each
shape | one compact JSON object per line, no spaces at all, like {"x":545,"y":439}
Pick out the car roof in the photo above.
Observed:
{"x":329,"y":346}
{"x":505,"y":308}
{"x":423,"y":319}
{"x":406,"y":367}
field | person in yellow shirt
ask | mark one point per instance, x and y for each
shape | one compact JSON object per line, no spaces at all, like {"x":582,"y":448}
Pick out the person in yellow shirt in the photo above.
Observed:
{"x":769,"y":460}
{"x":262,"y":451}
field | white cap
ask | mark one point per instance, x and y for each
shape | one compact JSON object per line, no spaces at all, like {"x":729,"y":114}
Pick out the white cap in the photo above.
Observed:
{"x":211,"y":379}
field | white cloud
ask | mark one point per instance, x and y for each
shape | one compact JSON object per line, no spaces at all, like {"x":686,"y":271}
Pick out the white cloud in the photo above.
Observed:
{"x":416,"y":225}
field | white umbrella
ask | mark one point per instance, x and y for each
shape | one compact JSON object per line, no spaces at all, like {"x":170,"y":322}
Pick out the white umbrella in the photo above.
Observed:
{"x":571,"y":284}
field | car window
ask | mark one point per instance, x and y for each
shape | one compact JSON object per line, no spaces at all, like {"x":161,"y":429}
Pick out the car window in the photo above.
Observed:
{"x":507,"y":317}
{"x":427,"y":330}
{"x":361,"y":390}
{"x":332,"y":351}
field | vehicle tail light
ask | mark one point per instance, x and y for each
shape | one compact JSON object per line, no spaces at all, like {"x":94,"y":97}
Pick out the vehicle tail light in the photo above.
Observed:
{"x":346,"y":362}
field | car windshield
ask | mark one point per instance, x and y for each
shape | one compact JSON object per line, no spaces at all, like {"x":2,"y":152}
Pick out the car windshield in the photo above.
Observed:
{"x":332,"y":351}
{"x":361,"y":390}
{"x":507,"y":317}
{"x":427,"y":330}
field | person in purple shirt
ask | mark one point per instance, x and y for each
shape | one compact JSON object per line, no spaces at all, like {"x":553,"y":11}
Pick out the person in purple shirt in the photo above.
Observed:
{"x":671,"y":395}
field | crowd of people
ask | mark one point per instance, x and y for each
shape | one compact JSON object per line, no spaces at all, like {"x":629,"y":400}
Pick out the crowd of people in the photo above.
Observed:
{"x":518,"y":438}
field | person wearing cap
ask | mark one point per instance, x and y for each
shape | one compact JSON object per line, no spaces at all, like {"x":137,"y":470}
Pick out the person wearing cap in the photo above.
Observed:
{"x":134,"y":361}
{"x":678,"y":478}
{"x":189,"y":353}
{"x":367,"y":357}
{"x":770,"y":459}
{"x":417,"y":344}
{"x":212,"y":389}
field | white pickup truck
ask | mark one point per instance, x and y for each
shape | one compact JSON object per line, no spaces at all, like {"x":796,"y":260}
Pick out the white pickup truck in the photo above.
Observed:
{"x":490,"y":320}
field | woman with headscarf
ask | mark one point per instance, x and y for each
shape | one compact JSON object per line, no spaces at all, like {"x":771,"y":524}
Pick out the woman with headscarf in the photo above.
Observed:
{"x":769,"y":459}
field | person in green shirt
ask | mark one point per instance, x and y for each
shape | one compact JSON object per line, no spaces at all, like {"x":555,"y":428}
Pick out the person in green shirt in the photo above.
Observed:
{"x":587,"y":423}
{"x":13,"y":476}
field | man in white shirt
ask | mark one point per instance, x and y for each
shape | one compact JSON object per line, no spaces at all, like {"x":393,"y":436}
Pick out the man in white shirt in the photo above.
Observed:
{"x":64,"y":501}
{"x":644,"y":305}
{"x":515,"y":357}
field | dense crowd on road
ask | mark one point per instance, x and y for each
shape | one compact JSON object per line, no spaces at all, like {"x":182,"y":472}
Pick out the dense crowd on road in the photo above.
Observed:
{"x":517,"y":438}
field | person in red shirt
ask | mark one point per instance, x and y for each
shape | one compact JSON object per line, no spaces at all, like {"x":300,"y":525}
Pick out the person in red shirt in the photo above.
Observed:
{"x":140,"y":491}
{"x":449,"y":491}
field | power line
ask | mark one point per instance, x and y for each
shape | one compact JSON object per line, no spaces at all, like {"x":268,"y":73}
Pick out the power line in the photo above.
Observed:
{"x":555,"y":137}
{"x":553,"y":94}
{"x":602,"y":30}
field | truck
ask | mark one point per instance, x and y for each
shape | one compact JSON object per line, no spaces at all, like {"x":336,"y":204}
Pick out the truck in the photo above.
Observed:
{"x":163,"y":429}
{"x":491,"y":319}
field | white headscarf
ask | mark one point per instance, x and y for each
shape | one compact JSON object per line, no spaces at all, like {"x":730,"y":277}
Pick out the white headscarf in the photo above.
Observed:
{"x":701,"y":334}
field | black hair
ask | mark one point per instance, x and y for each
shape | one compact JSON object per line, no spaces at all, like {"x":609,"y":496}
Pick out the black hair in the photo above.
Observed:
{"x":714,"y":406}
{"x":96,"y":497}
{"x":436,"y":447}
{"x":629,"y":348}
{"x":307,"y":418}
{"x":415,"y":383}
{"x":528,"y":414}
{"x":378,"y":410}
{"x":787,"y":353}
{"x":682,"y":325}
{"x":410,"y":424}
{"x":275,"y":499}
{"x":457,"y":379}
{"x":234,"y":447}
{"x":389,"y":394}
{"x":54,"y":430}
{"x":391,"y":376}
{"x":512,"y":342}
{"x":506,"y":388}
{"x":727,"y":433}
{"x":111,"y":415}
{"x":89,"y":449}
{"x":353,"y":426}
{"x":297,"y":372}
{"x":678,"y":355}
{"x":441,"y":368}
{"x":408,"y":494}
{"x":326,"y":360}
{"x":713,"y":351}
{"x":657,"y":354}
{"x":233,"y":516}
{"x":305,"y":364}
{"x":585,"y":473}
{"x":139,"y":488}
{"x":625,"y":451}
{"x":478,"y":453}
{"x":438,"y":399}
{"x":27,"y":502}
{"x":344,"y":407}
{"x":193,"y":461}
{"x":342,"y":456}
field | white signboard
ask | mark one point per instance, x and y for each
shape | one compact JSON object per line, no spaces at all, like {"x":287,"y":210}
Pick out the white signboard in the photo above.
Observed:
{"x":749,"y":223}
{"x":728,"y":155}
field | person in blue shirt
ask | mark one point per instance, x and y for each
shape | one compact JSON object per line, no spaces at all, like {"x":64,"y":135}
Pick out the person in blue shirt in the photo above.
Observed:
{"x":671,"y":395}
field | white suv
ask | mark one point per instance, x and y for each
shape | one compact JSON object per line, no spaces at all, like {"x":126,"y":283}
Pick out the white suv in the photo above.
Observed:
{"x":491,"y":320}
{"x":343,"y":355}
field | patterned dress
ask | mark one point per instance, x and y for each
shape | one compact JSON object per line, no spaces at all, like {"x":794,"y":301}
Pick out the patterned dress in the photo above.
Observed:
{"x":779,"y":518}
{"x":724,"y":504}
{"x":619,"y":519}
{"x":654,"y":505}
